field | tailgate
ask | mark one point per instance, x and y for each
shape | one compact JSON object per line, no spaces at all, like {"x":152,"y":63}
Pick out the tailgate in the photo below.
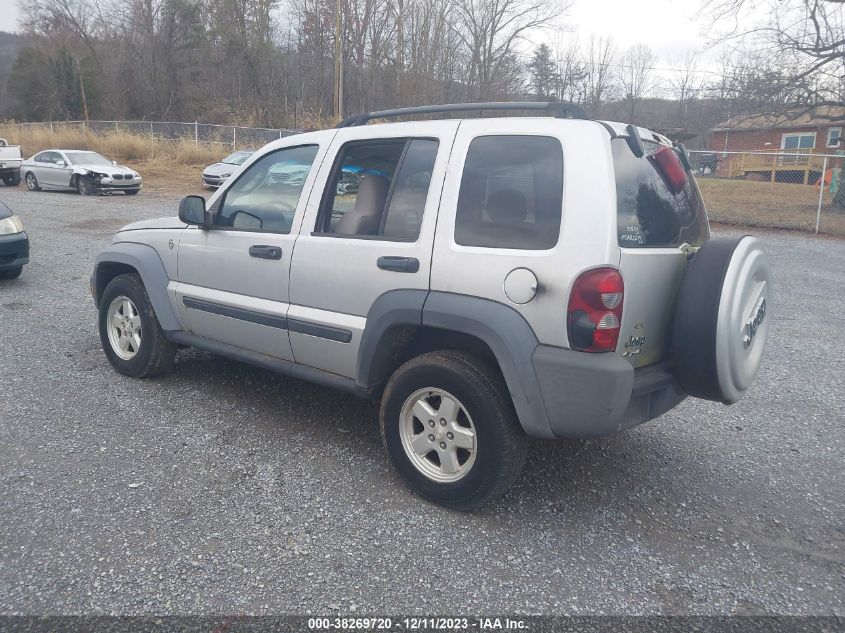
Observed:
{"x":652,"y":279}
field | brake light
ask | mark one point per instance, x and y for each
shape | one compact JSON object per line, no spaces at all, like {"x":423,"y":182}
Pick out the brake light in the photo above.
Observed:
{"x":595,"y":310}
{"x":670,"y":166}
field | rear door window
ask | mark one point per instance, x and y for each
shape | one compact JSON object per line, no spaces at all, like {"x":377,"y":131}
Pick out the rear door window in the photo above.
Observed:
{"x":511,"y":193}
{"x":648,"y":213}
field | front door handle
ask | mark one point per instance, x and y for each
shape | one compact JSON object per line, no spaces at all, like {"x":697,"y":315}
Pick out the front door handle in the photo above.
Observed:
{"x":265,"y":252}
{"x":399,"y":264}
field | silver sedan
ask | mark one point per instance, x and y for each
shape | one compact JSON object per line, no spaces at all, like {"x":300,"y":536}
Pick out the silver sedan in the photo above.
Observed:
{"x":216,"y":174}
{"x":86,"y":172}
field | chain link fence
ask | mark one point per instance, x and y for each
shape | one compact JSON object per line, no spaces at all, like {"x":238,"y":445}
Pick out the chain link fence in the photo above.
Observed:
{"x":796,"y":189}
{"x":233,"y":136}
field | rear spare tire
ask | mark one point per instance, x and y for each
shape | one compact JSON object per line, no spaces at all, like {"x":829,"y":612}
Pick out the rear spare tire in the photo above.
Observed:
{"x":722,"y":319}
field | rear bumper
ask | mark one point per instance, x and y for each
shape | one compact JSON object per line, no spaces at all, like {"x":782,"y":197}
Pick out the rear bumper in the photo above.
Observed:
{"x":587,"y":395}
{"x":14,"y":250}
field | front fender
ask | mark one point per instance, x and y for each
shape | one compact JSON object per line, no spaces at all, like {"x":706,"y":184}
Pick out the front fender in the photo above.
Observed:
{"x":146,"y":261}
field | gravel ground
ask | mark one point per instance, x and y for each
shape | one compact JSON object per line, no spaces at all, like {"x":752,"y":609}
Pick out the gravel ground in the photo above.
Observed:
{"x":224,"y":488}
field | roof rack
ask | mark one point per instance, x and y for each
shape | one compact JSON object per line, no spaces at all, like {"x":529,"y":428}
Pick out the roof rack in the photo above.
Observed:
{"x":558,"y":109}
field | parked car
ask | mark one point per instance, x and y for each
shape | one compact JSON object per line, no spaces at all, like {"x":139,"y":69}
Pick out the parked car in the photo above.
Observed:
{"x":216,"y":174}
{"x":14,"y":244}
{"x":450,"y":288}
{"x":87,"y":172}
{"x":10,"y":163}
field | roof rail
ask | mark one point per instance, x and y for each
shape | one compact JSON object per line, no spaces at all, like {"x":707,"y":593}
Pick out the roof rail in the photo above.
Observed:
{"x":558,"y":109}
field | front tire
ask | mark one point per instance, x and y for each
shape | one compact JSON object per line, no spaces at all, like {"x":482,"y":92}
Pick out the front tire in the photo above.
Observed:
{"x":85,"y":186}
{"x":31,"y":182}
{"x":130,"y":334}
{"x":450,"y":429}
{"x":11,"y":273}
{"x":132,"y":192}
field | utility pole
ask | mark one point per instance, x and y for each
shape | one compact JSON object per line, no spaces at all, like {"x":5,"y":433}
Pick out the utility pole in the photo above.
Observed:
{"x":338,"y":60}
{"x":82,"y":89}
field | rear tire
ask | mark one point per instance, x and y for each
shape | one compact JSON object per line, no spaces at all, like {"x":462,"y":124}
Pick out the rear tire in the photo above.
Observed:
{"x":488,"y":443}
{"x":11,"y":273}
{"x":130,"y":334}
{"x":12,"y":180}
{"x":31,"y":182}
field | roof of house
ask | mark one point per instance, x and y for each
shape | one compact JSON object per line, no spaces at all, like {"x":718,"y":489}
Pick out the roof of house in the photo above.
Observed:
{"x":821,"y":116}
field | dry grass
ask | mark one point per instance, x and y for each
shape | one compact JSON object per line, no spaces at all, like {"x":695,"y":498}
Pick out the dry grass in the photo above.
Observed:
{"x":770,"y":205}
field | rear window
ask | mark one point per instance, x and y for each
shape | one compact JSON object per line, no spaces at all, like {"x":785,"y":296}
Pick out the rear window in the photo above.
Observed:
{"x":511,"y":193}
{"x":648,"y":213}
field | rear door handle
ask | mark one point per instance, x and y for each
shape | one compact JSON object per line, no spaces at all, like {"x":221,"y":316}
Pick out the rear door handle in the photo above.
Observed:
{"x":265,"y":252}
{"x":399,"y":264}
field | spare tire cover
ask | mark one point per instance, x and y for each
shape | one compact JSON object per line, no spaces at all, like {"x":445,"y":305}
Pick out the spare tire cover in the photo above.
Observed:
{"x":722,"y":319}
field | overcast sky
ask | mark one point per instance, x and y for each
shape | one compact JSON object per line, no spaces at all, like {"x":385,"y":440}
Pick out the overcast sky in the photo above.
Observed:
{"x":669,"y":27}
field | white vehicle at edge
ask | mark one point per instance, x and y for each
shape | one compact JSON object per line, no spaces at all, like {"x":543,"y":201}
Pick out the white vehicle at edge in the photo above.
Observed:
{"x":84,"y":171}
{"x":10,"y":163}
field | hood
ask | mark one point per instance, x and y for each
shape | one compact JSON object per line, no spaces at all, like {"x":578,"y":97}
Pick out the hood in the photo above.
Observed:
{"x":218,"y":169}
{"x":157,"y":223}
{"x":103,"y":169}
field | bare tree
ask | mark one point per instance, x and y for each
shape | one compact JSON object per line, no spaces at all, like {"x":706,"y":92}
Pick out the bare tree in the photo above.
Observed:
{"x":598,"y":67}
{"x":636,"y":76}
{"x":491,"y":31}
{"x":803,"y":40}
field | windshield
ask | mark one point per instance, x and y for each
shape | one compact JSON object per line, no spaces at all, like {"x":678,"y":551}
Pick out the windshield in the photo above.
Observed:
{"x":87,"y":158}
{"x":238,"y":158}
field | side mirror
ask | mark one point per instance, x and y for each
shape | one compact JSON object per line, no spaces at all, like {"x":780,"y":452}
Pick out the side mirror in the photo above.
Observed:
{"x":192,"y":210}
{"x":61,"y":163}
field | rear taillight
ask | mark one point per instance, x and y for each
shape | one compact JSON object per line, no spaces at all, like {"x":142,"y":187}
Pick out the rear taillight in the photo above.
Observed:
{"x":595,"y":310}
{"x":670,"y":166}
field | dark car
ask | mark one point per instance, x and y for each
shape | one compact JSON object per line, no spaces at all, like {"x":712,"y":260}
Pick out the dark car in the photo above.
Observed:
{"x":348,"y":183}
{"x":14,"y":244}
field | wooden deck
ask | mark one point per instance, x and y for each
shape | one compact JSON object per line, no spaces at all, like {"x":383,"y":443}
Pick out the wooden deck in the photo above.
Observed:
{"x":805,"y":166}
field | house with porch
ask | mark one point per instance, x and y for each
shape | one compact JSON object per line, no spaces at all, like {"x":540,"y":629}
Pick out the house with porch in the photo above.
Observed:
{"x":779,"y":147}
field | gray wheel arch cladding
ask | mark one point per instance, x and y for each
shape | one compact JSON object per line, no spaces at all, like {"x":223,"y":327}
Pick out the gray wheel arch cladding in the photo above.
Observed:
{"x":146,"y":261}
{"x":505,"y":331}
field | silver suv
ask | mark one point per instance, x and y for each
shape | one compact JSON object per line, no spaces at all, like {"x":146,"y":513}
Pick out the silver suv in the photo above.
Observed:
{"x":487,"y":280}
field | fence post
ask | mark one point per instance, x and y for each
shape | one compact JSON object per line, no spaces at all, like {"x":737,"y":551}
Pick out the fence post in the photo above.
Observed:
{"x":196,"y":133}
{"x":152,"y":133}
{"x":51,"y":127}
{"x":234,"y":137}
{"x":280,"y":135}
{"x":821,"y":194}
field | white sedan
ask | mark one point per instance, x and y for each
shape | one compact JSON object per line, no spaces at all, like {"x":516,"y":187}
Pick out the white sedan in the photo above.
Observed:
{"x":86,"y":172}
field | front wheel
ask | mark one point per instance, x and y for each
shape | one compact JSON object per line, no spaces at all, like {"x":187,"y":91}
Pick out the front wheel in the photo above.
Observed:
{"x":31,"y":182}
{"x":11,"y":273}
{"x":130,"y":333}
{"x":132,"y":192}
{"x":450,"y":429}
{"x":85,"y":185}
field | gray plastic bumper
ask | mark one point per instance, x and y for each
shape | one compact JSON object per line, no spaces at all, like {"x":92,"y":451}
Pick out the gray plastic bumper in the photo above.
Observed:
{"x":597,"y":394}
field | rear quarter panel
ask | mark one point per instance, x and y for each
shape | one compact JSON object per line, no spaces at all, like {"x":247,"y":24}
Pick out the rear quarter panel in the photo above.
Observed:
{"x":588,"y":225}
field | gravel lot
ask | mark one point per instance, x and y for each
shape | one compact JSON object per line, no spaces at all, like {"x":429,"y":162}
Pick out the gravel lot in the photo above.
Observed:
{"x":224,"y":488}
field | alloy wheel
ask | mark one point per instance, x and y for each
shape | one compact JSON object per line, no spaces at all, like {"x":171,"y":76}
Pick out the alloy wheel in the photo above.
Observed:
{"x":124,"y":327}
